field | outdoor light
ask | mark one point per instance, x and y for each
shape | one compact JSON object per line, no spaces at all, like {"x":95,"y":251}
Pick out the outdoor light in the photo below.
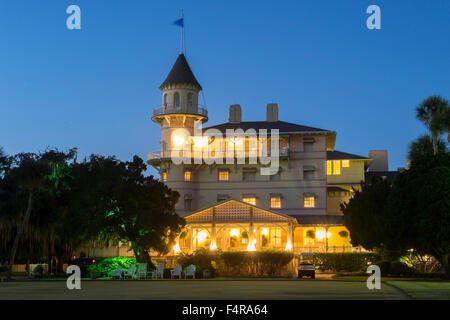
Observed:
{"x":265,"y":231}
{"x":320,"y":235}
{"x":236,"y":140}
{"x":201,"y":236}
{"x":328,"y":234}
{"x":234,"y":232}
{"x":176,"y":248}
{"x":178,"y":140}
{"x":251,"y":246}
{"x":213,"y":246}
{"x":288,"y":246}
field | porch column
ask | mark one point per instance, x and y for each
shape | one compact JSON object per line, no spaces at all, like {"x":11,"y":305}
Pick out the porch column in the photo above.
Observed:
{"x":213,"y":244}
{"x":326,"y":239}
{"x":251,"y":244}
{"x":289,"y":237}
{"x":191,"y":235}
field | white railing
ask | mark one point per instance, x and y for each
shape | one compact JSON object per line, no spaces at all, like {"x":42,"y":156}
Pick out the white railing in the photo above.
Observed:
{"x":172,"y":109}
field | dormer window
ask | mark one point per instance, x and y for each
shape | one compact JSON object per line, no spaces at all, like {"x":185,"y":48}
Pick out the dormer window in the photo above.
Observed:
{"x":308,"y":144}
{"x":176,"y":100}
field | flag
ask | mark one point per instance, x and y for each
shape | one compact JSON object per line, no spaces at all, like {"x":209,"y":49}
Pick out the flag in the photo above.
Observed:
{"x":179,"y":22}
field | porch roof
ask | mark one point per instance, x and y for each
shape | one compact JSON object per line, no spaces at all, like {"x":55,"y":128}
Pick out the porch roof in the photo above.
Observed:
{"x":235,"y":211}
{"x":318,"y":220}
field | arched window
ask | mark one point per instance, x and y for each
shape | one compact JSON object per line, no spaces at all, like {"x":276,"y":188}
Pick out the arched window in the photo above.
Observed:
{"x":165,"y":100}
{"x":176,"y":100}
{"x":189,"y":99}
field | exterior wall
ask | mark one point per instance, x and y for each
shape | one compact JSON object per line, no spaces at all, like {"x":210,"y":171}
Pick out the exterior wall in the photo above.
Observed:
{"x":352,"y":175}
{"x":334,"y":199}
{"x":205,"y":185}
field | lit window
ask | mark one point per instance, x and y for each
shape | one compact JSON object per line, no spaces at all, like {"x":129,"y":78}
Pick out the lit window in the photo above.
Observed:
{"x":329,"y":167}
{"x":275,"y":202}
{"x":223,"y":175}
{"x":275,"y":236}
{"x":309,"y":202}
{"x":345,"y":163}
{"x":164,"y":176}
{"x":251,"y":200}
{"x":187,"y":176}
{"x":336,"y":167}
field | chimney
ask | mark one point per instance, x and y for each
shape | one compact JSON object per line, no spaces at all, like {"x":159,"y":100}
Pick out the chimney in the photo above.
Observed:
{"x":235,"y":113}
{"x":272,"y":112}
{"x":379,"y":160}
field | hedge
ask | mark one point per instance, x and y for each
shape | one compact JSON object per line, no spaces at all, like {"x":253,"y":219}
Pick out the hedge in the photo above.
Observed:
{"x":105,"y":267}
{"x":349,"y":261}
{"x":238,"y":263}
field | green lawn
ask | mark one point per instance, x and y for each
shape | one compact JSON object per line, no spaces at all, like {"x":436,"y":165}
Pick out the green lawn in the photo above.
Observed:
{"x":424,"y":289}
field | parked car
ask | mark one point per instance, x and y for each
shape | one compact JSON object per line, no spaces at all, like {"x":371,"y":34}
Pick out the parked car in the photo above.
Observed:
{"x":306,"y":267}
{"x":84,"y":264}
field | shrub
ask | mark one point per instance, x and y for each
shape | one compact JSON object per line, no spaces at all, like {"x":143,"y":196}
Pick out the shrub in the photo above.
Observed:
{"x":105,"y":267}
{"x":233,"y":261}
{"x":395,"y":269}
{"x":350,"y":261}
{"x":271,"y":262}
{"x":202,"y":258}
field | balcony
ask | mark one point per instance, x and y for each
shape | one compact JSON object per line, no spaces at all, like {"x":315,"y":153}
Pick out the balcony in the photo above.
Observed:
{"x":197,"y":110}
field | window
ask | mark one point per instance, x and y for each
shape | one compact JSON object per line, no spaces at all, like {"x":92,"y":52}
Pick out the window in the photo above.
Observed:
{"x":333,"y":167}
{"x":189,"y":99}
{"x":308,"y":146}
{"x":275,"y":236}
{"x":222,"y":197}
{"x":308,"y":236}
{"x":249,"y":176}
{"x":309,"y":172}
{"x":275,"y":202}
{"x":165,"y":100}
{"x":176,"y":100}
{"x":223,"y":175}
{"x":309,"y":202}
{"x":188,"y":202}
{"x":250,"y":200}
{"x":336,"y":167}
{"x":187,"y":175}
{"x":345,"y":163}
{"x":164,"y":176}
{"x":276,"y":176}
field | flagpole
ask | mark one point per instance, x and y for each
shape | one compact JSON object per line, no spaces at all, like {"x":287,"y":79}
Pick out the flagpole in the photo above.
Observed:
{"x":182,"y":26}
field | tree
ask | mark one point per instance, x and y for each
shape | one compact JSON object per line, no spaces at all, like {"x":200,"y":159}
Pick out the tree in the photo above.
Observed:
{"x":423,"y":147}
{"x":30,"y":177}
{"x":124,"y":205}
{"x":434,"y":113}
{"x":4,"y":162}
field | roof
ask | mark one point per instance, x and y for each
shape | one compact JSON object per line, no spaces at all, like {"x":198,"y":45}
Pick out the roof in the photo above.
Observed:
{"x":319,"y":220}
{"x":284,"y":127}
{"x":181,"y":73}
{"x":339,"y":155}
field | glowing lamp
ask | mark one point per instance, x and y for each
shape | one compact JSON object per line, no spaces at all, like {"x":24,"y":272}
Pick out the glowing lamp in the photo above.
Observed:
{"x":328,"y":234}
{"x":288,"y":246}
{"x":265,"y":231}
{"x":320,"y":235}
{"x":234,"y":232}
{"x":251,"y":246}
{"x":201,"y":236}
{"x":176,"y":248}
{"x":178,"y":140}
{"x":213,"y":246}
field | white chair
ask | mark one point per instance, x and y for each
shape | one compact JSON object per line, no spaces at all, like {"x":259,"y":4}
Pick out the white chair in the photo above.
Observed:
{"x":176,"y":272}
{"x":130,"y":272}
{"x":142,"y":271}
{"x":117,"y":273}
{"x":159,"y":272}
{"x":190,"y":271}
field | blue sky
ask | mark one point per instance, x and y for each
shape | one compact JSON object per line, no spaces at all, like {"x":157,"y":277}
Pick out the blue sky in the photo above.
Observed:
{"x":95,"y":88}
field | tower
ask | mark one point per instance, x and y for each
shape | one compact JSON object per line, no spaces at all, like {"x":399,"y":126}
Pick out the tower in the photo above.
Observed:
{"x":179,"y":110}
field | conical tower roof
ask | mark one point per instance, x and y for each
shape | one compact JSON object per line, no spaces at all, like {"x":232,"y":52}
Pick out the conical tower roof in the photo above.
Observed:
{"x":181,"y":73}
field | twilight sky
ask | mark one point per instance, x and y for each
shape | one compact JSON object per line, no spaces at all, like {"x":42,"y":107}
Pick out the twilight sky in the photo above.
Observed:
{"x":95,"y":88}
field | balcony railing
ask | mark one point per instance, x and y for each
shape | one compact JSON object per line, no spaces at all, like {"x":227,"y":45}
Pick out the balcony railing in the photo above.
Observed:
{"x":182,"y":108}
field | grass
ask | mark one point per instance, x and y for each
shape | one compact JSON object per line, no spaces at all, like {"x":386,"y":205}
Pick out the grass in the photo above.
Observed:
{"x":434,"y":290}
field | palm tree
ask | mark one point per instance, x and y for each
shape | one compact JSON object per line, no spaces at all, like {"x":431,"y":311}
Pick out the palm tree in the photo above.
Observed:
{"x":434,"y":113}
